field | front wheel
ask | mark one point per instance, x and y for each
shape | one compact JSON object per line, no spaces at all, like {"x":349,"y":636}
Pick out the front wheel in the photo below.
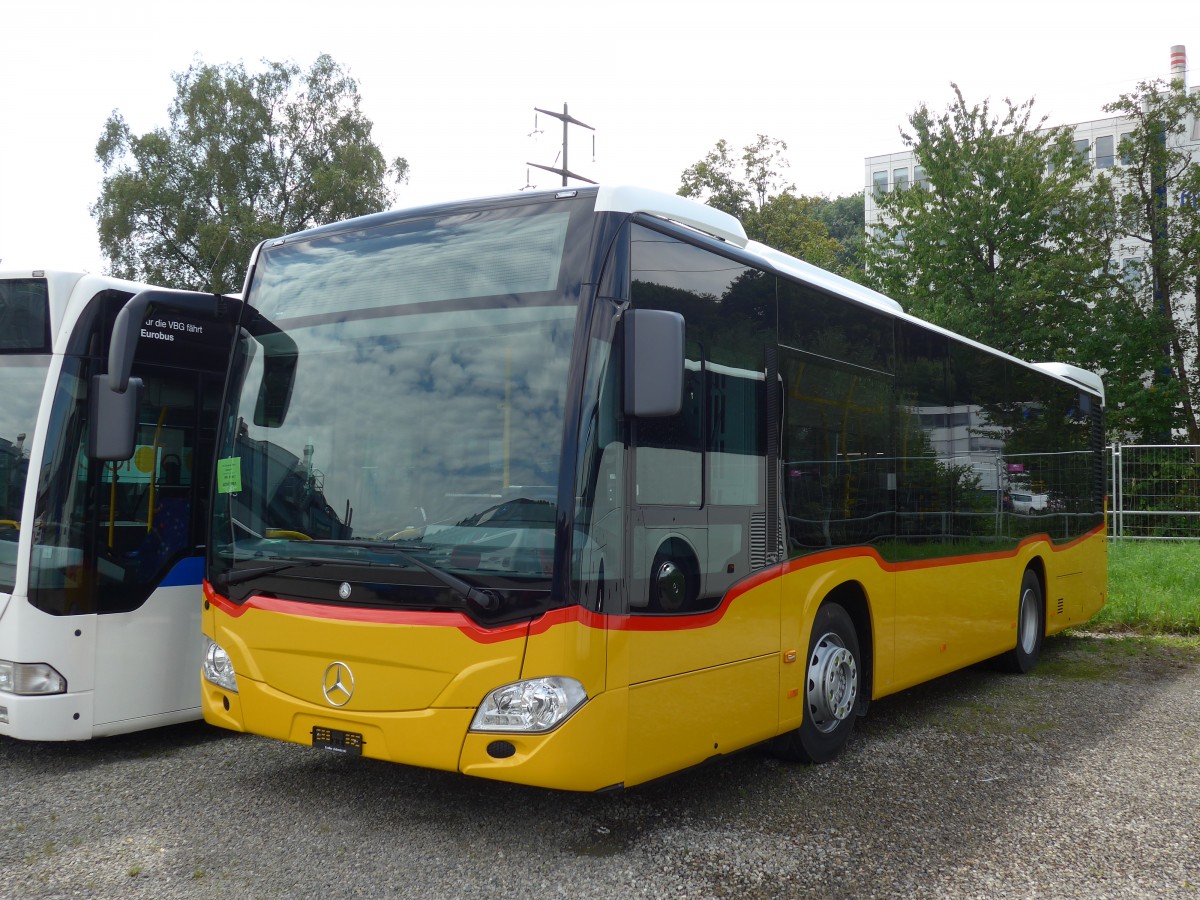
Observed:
{"x":1031,"y":628}
{"x":832,"y":687}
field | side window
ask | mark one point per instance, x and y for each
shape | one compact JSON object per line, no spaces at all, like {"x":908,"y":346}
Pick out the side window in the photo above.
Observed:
{"x":838,"y":475}
{"x":979,"y":399}
{"x":701,"y":476}
{"x":931,"y":480}
{"x":107,"y":533}
{"x":146,"y":504}
{"x":669,"y":463}
{"x":729,"y":311}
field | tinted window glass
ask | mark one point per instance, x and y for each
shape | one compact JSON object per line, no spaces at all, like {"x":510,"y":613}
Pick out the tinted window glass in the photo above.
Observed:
{"x":838,"y":329}
{"x":701,"y":475}
{"x":24,"y":315}
{"x":839,"y":481}
{"x":729,"y":310}
{"x":929,"y":476}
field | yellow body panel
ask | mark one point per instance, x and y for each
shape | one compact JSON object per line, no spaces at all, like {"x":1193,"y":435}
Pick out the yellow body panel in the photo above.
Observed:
{"x":664,"y":692}
{"x":431,"y":738}
{"x":585,"y":753}
{"x":683,"y":720}
{"x":395,"y":666}
{"x":1079,"y":588}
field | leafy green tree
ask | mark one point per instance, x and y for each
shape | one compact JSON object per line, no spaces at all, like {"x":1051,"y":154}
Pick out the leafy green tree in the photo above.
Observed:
{"x":763,"y":200}
{"x":844,"y":219}
{"x":792,"y":224}
{"x":1158,"y":223}
{"x":714,"y":181}
{"x":245,"y":157}
{"x":1009,"y":244}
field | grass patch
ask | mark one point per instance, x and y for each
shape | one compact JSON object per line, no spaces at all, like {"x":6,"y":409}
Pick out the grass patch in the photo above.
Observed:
{"x":1153,"y":588}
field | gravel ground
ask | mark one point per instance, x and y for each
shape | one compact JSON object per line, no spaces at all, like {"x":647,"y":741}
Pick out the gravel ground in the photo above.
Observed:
{"x":1081,"y":780}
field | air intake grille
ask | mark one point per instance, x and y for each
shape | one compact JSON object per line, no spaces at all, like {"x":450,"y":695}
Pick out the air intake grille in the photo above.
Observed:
{"x":758,"y":540}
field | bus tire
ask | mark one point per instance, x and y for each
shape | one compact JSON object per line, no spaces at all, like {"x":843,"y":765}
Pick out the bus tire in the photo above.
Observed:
{"x":1031,"y":627}
{"x":832,"y":689}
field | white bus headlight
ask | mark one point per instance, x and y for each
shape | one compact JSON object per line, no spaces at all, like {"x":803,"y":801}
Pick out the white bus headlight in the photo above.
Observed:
{"x":217,"y":666}
{"x":30,"y":679}
{"x":533,"y":706}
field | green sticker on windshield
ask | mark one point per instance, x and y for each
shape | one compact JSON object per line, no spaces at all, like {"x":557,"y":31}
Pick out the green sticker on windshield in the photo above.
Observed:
{"x":229,"y":475}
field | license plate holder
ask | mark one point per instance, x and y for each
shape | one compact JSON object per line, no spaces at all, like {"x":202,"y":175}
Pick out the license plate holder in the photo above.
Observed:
{"x":335,"y":741}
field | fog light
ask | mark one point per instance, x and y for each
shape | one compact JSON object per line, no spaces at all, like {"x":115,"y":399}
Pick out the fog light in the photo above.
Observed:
{"x":537,"y":705}
{"x":217,"y":667}
{"x":30,"y":679}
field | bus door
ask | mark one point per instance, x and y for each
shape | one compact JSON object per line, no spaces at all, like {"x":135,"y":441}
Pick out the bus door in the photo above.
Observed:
{"x":703,"y":668}
{"x":117,"y":544}
{"x":147,"y":528}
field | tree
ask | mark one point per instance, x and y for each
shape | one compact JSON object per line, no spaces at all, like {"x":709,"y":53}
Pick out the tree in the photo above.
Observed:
{"x":793,"y":224}
{"x":712,"y":180}
{"x":1009,"y":243}
{"x":1158,"y":223}
{"x":844,"y":219}
{"x":763,"y":200}
{"x":245,"y":157}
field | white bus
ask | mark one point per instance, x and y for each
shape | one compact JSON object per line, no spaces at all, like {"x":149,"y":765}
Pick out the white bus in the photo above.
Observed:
{"x":101,"y":560}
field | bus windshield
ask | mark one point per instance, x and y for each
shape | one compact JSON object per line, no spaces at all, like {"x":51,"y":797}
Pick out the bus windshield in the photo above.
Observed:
{"x":424,"y":420}
{"x":22,"y":380}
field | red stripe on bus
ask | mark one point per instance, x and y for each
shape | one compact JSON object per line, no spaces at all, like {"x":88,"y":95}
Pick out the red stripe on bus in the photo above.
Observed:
{"x":376,"y":616}
{"x":590,"y":619}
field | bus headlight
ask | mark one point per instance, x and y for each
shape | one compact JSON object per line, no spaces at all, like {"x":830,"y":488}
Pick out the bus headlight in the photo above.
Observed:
{"x":534,"y":706}
{"x":217,"y":666}
{"x":30,"y":679}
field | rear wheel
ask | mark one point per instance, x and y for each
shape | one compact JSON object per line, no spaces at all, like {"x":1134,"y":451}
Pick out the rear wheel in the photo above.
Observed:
{"x":832,"y":687}
{"x":1031,"y":627}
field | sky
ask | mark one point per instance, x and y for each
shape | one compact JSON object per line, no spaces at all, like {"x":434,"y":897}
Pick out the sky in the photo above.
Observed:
{"x":452,"y":86}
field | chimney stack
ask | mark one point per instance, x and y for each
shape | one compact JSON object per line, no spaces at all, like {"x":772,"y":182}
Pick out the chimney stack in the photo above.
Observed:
{"x":1179,"y":65}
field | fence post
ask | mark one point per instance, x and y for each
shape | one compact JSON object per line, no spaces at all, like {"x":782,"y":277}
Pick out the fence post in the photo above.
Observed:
{"x":1114,"y":499}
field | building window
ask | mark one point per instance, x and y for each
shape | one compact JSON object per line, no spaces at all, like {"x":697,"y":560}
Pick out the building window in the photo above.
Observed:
{"x":1104,"y":152}
{"x":879,"y":181}
{"x":1082,"y":150}
{"x":1125,"y":145}
{"x":900,"y":179}
{"x":1131,"y":271}
{"x":920,"y":178}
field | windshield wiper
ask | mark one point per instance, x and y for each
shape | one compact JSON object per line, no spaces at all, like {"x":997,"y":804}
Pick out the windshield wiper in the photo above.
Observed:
{"x":241,"y":575}
{"x":486,"y":600}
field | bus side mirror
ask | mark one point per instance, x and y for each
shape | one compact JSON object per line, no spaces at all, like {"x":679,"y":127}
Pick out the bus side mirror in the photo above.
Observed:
{"x":127,"y":326}
{"x":114,"y":418}
{"x":280,"y":358}
{"x":653,"y":362}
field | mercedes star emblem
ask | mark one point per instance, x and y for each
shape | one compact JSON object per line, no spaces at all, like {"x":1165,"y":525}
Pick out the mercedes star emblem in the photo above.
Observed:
{"x":338,"y":686}
{"x":344,"y":590}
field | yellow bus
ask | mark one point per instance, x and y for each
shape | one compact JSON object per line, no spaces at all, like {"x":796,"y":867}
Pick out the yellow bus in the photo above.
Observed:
{"x":577,"y":489}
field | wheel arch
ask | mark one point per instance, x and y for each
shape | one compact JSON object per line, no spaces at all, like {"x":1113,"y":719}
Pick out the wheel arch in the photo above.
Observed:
{"x":1037,"y":565}
{"x":852,"y":597}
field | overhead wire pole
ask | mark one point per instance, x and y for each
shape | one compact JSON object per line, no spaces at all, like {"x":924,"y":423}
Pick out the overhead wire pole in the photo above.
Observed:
{"x":567,"y":120}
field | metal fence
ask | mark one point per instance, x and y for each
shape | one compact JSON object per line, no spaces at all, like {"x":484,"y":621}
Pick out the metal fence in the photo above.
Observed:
{"x":1154,"y":491}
